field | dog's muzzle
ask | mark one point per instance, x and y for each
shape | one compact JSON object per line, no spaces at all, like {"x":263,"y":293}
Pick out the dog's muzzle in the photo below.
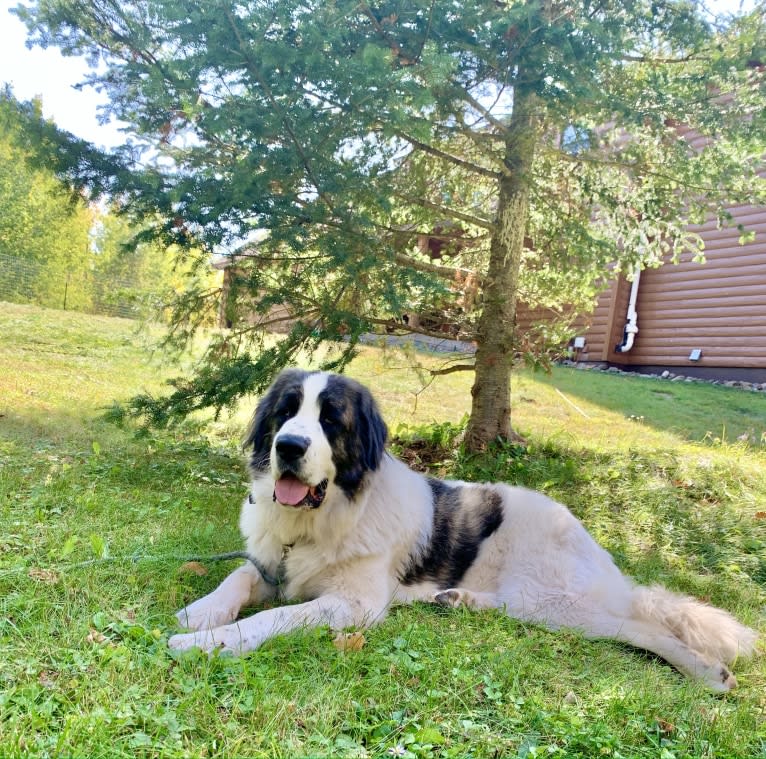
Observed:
{"x":289,"y":487}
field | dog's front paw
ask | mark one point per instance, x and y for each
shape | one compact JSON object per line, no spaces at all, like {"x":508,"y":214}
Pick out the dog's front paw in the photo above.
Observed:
{"x":205,"y":615}
{"x":226,"y":639}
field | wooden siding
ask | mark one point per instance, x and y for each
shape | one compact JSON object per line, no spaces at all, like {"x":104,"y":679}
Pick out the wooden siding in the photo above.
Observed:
{"x":718,"y":307}
{"x":595,"y":327}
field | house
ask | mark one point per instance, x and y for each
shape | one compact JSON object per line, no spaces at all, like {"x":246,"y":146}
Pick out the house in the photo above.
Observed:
{"x":703,"y":320}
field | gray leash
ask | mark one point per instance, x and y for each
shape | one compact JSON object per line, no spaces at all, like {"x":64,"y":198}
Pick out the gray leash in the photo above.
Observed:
{"x":268,"y":578}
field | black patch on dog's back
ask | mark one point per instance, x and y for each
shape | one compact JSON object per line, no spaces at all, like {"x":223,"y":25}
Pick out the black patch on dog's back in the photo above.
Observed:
{"x":355,"y":430}
{"x":282,"y":401}
{"x":456,"y":537}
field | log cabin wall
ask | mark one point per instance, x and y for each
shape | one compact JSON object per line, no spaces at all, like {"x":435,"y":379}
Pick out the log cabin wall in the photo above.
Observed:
{"x":717,"y":307}
{"x":597,"y":327}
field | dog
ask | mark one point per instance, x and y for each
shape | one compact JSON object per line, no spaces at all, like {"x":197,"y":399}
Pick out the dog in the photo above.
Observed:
{"x":353,"y":530}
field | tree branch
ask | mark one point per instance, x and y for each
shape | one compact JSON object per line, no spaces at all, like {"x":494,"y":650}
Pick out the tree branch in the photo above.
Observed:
{"x":393,"y":324}
{"x":473,"y":167}
{"x":639,"y":168}
{"x":452,"y":369}
{"x":288,"y":126}
{"x":467,"y":218}
{"x":661,"y":61}
{"x":477,"y":106}
{"x":447,"y":272}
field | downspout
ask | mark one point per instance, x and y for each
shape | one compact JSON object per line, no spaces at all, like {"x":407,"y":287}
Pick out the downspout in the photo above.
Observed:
{"x":631,"y":325}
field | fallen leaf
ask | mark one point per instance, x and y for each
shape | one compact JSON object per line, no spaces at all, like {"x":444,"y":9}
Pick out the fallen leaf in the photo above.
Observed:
{"x":665,"y":727}
{"x":354,"y":641}
{"x":43,"y":575}
{"x":94,"y":636}
{"x":47,"y":678}
{"x":193,"y":568}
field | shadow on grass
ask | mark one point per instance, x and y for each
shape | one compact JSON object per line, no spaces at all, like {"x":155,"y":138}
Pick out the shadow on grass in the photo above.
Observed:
{"x":691,"y":411}
{"x":663,"y":519}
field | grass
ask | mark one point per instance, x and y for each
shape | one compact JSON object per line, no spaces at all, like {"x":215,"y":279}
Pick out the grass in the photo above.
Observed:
{"x":84,"y":669}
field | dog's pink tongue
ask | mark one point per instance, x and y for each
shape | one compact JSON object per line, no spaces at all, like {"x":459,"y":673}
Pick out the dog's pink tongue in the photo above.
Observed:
{"x":290,"y":491}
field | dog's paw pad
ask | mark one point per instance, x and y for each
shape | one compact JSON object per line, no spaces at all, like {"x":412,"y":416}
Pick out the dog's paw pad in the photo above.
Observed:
{"x":450,"y":597}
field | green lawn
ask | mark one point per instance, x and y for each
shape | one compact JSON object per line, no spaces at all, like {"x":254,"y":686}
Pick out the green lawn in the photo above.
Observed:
{"x":654,"y":469}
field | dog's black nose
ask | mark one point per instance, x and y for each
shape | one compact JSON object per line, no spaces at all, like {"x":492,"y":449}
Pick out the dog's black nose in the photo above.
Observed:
{"x":292,"y":447}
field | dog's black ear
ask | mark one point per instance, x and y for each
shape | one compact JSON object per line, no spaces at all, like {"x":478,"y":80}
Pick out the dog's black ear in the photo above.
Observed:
{"x":259,"y":435}
{"x":373,"y":432}
{"x":261,"y":432}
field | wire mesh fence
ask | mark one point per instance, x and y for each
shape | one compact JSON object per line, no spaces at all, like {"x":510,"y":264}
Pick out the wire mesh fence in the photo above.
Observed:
{"x":74,"y":288}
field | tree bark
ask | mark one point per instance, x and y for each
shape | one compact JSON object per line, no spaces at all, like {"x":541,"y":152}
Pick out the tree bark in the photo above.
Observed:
{"x":491,"y":391}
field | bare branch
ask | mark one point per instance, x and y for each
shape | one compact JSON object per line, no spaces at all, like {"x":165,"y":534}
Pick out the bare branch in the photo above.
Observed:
{"x":475,"y":168}
{"x":451,"y":212}
{"x":261,"y":324}
{"x":661,"y":61}
{"x":447,"y":272}
{"x":452,"y":369}
{"x":407,"y":329}
{"x":477,"y":106}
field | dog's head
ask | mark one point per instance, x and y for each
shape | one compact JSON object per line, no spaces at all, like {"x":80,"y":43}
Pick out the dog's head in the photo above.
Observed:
{"x":311,"y":429}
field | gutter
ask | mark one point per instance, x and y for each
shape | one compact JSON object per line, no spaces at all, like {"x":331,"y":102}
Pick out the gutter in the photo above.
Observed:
{"x":631,"y":325}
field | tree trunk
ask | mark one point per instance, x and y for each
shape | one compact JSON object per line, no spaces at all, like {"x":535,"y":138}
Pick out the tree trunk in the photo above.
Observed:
{"x":491,"y":391}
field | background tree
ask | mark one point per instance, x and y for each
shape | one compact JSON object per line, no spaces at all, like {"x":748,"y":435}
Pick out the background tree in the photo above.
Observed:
{"x":61,"y":250}
{"x":40,"y":223}
{"x":348,"y":129}
{"x":143,"y":276}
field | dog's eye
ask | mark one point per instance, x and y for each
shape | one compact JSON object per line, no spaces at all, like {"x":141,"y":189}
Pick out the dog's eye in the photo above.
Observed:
{"x":330,"y":416}
{"x":287,"y":409}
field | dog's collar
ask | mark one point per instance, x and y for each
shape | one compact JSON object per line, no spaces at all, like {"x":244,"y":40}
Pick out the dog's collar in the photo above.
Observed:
{"x":280,"y":577}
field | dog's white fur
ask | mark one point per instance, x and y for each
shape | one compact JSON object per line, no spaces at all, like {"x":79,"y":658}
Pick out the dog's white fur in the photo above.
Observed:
{"x":348,"y":557}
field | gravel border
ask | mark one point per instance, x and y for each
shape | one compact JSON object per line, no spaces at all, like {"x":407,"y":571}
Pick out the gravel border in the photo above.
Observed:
{"x":755,"y":387}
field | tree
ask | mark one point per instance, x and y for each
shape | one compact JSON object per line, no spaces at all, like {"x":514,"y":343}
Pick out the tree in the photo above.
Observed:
{"x":40,"y":224}
{"x":346,"y":129}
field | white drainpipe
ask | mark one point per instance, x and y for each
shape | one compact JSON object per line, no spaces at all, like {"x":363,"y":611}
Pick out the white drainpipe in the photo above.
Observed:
{"x":631,"y":326}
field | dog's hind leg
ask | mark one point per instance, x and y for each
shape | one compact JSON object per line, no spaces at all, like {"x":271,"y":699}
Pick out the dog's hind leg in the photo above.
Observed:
{"x":456,"y":597}
{"x":658,"y":639}
{"x":714,"y":632}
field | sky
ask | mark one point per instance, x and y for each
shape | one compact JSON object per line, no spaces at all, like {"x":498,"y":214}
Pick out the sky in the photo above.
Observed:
{"x":51,"y":75}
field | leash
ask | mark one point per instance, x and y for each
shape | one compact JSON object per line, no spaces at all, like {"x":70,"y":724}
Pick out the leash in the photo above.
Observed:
{"x":268,"y":578}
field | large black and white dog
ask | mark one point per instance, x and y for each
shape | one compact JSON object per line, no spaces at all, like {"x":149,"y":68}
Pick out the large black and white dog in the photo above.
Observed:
{"x":353,"y":530}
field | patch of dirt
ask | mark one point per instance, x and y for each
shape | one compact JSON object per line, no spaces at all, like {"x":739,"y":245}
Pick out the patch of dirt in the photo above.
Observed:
{"x":423,"y":455}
